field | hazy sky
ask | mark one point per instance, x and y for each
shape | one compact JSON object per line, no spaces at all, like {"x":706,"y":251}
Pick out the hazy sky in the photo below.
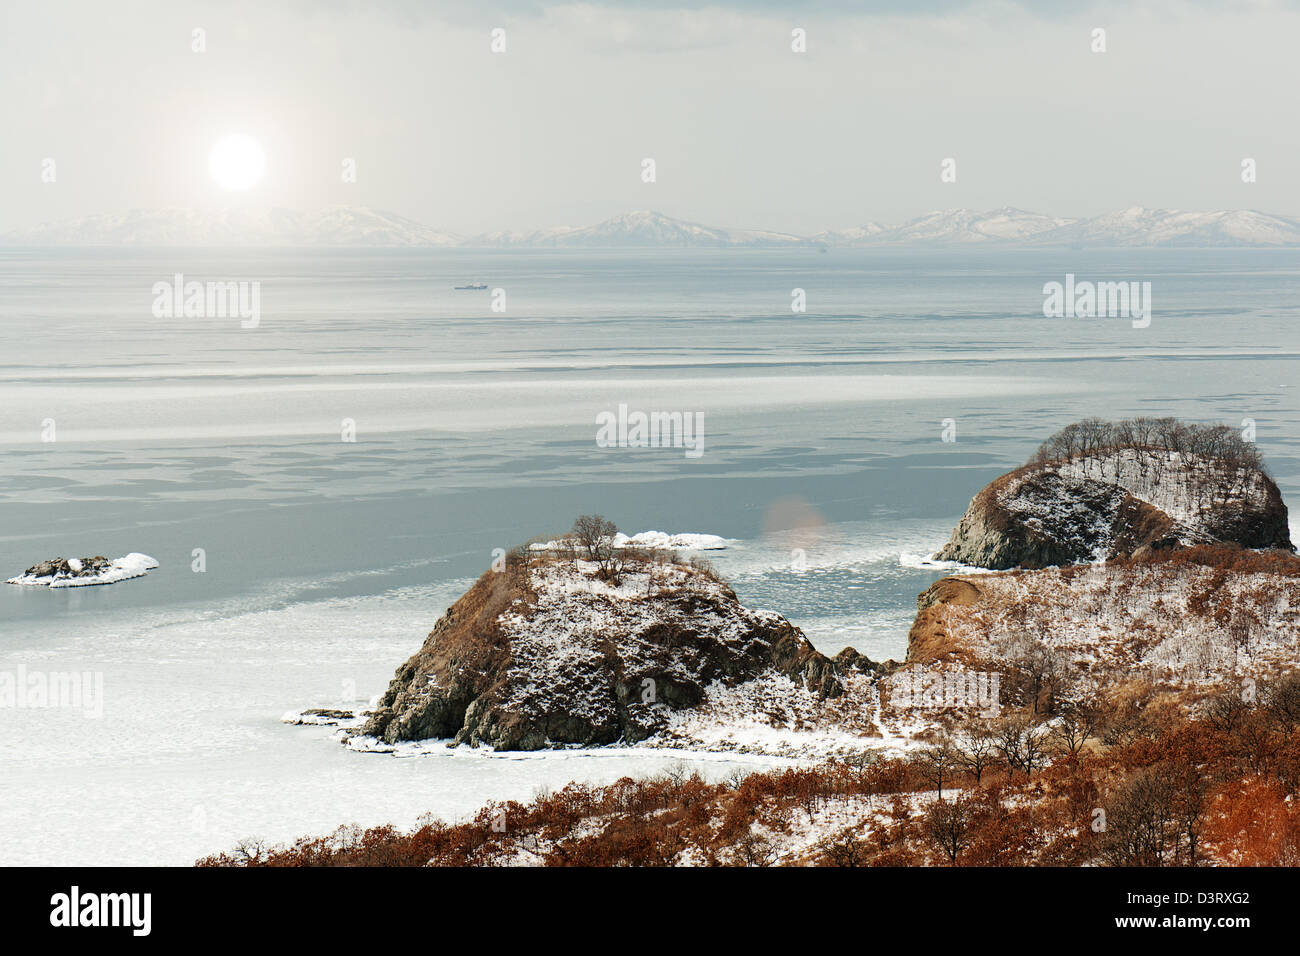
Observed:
{"x":744,"y":131}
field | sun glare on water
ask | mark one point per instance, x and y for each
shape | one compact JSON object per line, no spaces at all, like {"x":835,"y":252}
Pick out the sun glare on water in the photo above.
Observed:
{"x":237,"y":162}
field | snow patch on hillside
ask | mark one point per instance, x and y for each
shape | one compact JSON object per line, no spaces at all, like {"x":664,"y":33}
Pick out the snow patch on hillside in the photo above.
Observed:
{"x":1176,"y":625}
{"x":1183,"y":486}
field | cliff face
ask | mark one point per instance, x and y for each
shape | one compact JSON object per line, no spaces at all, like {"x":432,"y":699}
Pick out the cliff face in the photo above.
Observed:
{"x":551,"y":655}
{"x":1119,"y":503}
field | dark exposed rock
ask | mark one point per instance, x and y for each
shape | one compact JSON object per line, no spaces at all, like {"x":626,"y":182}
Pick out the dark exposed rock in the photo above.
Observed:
{"x":553,"y":656}
{"x":62,"y":566}
{"x":325,"y":717}
{"x":1117,"y":503}
{"x":329,"y":713}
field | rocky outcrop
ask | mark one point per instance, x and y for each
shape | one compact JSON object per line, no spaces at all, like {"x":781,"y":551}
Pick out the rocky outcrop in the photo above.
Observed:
{"x":929,"y":640}
{"x":551,"y":653}
{"x":69,"y":567}
{"x":1118,"y":503}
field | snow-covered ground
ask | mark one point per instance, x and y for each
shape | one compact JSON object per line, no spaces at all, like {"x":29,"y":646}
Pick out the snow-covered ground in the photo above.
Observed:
{"x":776,"y":716}
{"x":1182,"y":486}
{"x":1176,"y":625}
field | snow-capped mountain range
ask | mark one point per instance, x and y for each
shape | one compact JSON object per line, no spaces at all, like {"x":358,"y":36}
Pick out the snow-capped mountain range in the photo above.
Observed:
{"x":639,"y":228}
{"x":336,"y":226}
{"x":1135,"y":226}
{"x":358,"y":226}
{"x":950,"y":226}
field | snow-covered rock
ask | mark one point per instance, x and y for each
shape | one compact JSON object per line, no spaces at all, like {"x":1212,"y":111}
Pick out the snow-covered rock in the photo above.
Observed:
{"x":1117,"y":503}
{"x":682,"y":542}
{"x":552,"y":654}
{"x":343,"y":717}
{"x":81,"y":572}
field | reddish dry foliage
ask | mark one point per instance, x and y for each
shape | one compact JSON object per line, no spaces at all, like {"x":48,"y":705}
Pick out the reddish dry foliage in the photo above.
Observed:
{"x":1166,"y":791}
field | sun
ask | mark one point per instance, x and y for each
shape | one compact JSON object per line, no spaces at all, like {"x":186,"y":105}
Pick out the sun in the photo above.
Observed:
{"x":237,"y":162}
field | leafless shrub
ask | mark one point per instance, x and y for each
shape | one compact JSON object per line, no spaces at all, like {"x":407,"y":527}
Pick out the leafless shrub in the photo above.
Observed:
{"x":754,"y":849}
{"x":250,"y":851}
{"x":1095,"y":436}
{"x":1022,"y":743}
{"x":594,"y":535}
{"x":939,"y":763}
{"x":977,"y":748}
{"x":1155,"y":817}
{"x":1282,"y":701}
{"x":1225,"y":709}
{"x":948,"y":826}
{"x":1140,"y":826}
{"x":844,"y":849}
{"x":1038,"y":673}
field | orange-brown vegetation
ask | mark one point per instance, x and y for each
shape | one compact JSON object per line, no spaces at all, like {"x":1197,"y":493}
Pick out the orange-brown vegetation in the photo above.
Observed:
{"x":1152,"y":787}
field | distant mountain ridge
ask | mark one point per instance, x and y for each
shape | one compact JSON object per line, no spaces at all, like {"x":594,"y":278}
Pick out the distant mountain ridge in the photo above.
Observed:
{"x":1136,"y":226}
{"x":642,"y":227}
{"x":335,"y":226}
{"x":354,"y":226}
{"x":951,"y":226}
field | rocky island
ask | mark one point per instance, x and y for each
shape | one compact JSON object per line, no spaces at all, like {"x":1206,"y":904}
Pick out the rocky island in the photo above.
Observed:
{"x":83,"y":572}
{"x":592,"y":646}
